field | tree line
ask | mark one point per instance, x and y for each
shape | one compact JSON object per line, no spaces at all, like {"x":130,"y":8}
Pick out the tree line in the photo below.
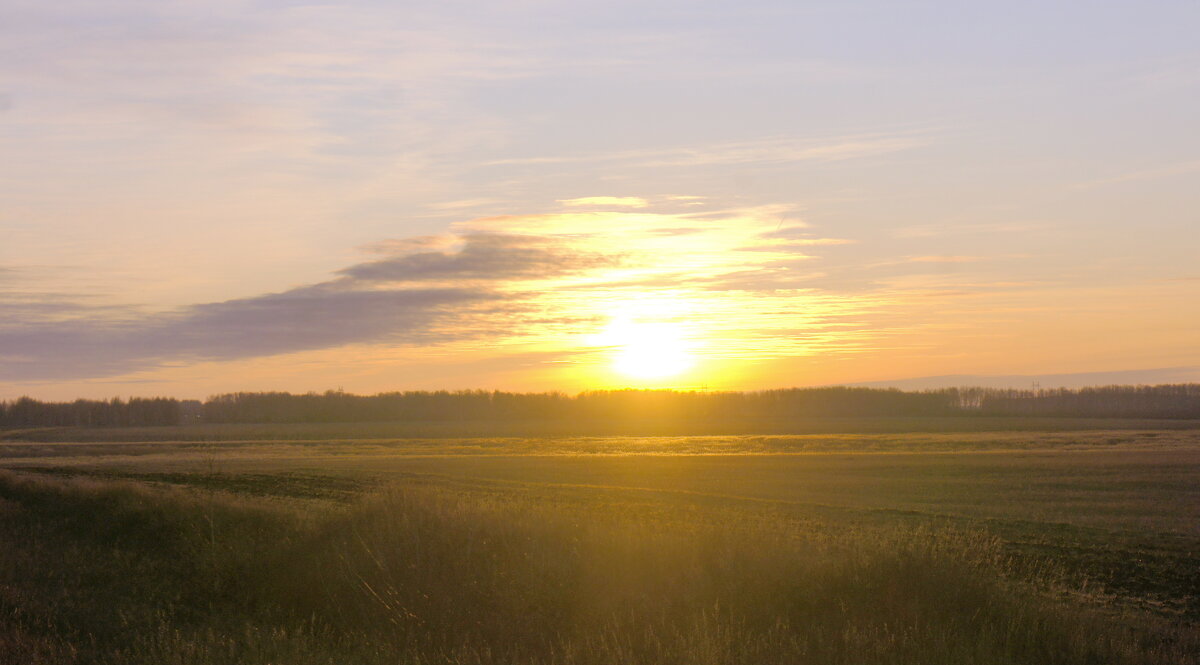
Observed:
{"x":136,"y":411}
{"x":471,"y":405}
{"x":1163,"y":401}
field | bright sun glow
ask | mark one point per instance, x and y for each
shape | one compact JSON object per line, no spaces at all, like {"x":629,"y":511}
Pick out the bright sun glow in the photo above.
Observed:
{"x":647,"y":350}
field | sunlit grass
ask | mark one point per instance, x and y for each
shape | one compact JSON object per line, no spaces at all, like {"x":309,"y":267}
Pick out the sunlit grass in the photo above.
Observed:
{"x":117,"y":573}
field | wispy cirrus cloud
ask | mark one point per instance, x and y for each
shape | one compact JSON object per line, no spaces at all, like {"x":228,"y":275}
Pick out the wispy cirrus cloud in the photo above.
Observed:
{"x":771,"y":150}
{"x":945,"y":258}
{"x":607,"y":201}
{"x":941,"y":230}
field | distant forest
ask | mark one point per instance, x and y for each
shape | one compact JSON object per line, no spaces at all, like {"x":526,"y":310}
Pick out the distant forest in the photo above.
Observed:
{"x":1165,"y":401}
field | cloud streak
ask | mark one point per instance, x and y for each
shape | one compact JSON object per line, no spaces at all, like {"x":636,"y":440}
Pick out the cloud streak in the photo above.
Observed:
{"x":314,"y":317}
{"x":484,"y":257}
{"x":536,"y":279}
{"x":417,"y":297}
{"x":772,"y":150}
{"x":609,"y":201}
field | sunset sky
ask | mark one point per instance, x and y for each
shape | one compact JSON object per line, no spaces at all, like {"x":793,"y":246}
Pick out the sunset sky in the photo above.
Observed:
{"x":203,"y":197}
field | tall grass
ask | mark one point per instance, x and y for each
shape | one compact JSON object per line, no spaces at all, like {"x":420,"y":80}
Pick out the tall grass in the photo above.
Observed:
{"x":118,"y":573}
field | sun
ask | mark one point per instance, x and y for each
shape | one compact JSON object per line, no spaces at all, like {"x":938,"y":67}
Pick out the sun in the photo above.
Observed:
{"x":646,"y":350}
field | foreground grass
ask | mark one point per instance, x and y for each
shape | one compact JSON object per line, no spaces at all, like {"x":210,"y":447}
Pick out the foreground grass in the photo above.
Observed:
{"x":116,"y":572}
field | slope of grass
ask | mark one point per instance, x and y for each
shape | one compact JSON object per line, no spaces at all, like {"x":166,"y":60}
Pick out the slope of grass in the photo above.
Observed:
{"x":115,"y":572}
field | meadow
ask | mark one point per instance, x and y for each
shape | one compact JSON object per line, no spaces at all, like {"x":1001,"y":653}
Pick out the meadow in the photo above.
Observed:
{"x":1027,"y":541}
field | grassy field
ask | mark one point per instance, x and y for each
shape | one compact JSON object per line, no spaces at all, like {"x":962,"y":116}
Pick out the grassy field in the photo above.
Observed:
{"x":549,"y":428}
{"x":260,"y":544}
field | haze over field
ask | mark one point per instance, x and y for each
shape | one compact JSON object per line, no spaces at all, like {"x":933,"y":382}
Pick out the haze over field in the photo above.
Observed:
{"x":257,"y":195}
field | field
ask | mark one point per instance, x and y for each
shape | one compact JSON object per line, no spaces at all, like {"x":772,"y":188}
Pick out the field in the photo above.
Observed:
{"x":892,"y":541}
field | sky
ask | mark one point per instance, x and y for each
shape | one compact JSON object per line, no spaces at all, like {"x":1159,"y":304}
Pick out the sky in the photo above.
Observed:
{"x":207,"y":197}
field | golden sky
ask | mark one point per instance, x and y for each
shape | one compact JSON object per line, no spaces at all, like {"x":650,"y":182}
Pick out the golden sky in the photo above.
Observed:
{"x":211,"y":197}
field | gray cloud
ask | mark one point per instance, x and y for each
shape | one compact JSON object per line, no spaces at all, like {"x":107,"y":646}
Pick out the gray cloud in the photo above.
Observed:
{"x":483,"y":256}
{"x":31,"y":308}
{"x":310,"y":317}
{"x":313,"y":317}
{"x":54,"y":336}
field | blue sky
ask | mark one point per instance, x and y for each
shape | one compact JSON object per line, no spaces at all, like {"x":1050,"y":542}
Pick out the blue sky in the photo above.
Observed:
{"x":981,"y":188}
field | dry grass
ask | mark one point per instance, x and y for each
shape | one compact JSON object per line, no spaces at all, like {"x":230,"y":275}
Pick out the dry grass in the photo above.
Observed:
{"x":115,"y":572}
{"x":551,"y":429}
